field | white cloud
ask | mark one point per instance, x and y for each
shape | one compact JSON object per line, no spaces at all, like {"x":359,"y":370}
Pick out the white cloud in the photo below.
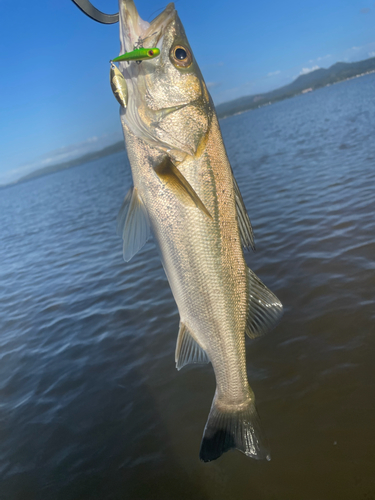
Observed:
{"x":304,"y":71}
{"x":274,"y":73}
{"x":211,"y":85}
{"x":357,"y":53}
{"x":372,"y":54}
{"x":320,"y":58}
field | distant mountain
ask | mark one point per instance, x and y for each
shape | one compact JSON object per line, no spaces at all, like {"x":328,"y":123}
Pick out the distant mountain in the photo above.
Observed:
{"x":304,"y":83}
{"x":109,"y":150}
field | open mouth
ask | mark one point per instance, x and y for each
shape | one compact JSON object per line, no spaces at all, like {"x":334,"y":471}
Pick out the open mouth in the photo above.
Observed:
{"x":135,"y":32}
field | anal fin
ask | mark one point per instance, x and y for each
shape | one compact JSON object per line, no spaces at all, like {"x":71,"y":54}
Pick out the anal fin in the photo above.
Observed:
{"x":188,"y":350}
{"x":265,"y":309}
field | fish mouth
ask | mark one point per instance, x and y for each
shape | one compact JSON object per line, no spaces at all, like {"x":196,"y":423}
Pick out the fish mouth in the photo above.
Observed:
{"x":134,"y":30}
{"x":143,"y":116}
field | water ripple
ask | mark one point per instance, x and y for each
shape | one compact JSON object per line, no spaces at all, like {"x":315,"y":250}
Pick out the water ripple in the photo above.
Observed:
{"x":91,"y":405}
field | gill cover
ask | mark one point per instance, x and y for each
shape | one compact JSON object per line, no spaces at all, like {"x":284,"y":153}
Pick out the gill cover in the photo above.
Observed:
{"x":169,"y":106}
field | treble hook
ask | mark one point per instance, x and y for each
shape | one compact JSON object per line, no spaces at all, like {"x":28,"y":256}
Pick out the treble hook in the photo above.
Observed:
{"x":88,"y":9}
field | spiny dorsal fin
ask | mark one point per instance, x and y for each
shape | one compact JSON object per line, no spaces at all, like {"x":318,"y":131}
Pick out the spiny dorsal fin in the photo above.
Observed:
{"x":188,"y":350}
{"x":133,"y":224}
{"x":177,"y":183}
{"x":246,"y":230}
{"x":265,"y":309}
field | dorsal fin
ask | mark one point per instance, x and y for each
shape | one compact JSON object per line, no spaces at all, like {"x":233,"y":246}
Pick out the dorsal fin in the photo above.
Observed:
{"x":188,"y":350}
{"x":133,"y":224}
{"x":265,"y":309}
{"x":246,"y":230}
{"x":176,"y":182}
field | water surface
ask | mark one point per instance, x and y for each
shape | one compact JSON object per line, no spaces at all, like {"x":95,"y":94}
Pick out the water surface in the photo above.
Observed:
{"x":91,"y":405}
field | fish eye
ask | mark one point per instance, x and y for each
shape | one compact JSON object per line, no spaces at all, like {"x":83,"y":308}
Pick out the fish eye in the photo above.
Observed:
{"x":181,"y":56}
{"x":150,"y":53}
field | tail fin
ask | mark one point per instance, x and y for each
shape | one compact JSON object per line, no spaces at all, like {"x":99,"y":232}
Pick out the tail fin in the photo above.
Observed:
{"x":233,"y":427}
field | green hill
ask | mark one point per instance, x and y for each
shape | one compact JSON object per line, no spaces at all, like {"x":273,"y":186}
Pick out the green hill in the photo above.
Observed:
{"x":109,"y":150}
{"x":313,"y":80}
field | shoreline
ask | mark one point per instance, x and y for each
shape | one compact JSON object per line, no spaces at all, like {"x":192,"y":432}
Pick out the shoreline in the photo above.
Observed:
{"x":302,"y":92}
{"x":120,"y":145}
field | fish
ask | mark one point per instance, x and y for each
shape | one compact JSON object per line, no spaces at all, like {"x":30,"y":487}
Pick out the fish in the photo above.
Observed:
{"x":184,"y":194}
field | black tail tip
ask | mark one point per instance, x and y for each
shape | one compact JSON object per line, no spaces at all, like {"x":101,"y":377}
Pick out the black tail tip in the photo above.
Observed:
{"x":238,"y":429}
{"x":212,"y":447}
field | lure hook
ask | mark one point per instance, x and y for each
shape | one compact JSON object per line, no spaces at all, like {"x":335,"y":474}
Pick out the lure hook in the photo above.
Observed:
{"x":87,"y":8}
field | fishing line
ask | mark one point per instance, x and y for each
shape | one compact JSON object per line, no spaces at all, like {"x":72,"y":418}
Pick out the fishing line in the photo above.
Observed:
{"x":155,"y":11}
{"x":158,"y":10}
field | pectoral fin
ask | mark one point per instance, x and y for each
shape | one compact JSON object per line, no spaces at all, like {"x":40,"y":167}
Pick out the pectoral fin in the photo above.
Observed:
{"x":133,"y":224}
{"x":265,"y":309}
{"x":188,"y":350}
{"x":177,"y":183}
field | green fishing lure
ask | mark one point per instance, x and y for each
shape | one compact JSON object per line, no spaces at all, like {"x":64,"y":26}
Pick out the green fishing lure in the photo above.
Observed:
{"x":140,"y":54}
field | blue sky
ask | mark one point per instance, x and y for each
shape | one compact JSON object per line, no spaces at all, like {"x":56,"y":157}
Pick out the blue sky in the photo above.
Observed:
{"x":55,"y":98}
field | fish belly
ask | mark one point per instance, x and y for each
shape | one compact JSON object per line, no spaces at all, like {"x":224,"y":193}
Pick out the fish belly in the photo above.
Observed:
{"x":202,"y":257}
